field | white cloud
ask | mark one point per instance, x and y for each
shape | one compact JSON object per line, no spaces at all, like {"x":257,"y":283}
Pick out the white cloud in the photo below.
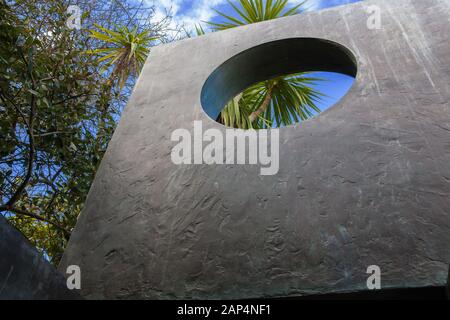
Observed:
{"x":197,"y":11}
{"x":191,"y":12}
{"x":311,"y":4}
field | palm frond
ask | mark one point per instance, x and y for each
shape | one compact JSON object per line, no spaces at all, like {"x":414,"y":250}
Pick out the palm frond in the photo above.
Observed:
{"x":253,"y":11}
{"x":292,"y":100}
{"x":125,"y":52}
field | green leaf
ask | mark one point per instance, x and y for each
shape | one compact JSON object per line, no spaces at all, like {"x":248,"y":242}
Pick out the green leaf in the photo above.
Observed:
{"x":33,"y":92}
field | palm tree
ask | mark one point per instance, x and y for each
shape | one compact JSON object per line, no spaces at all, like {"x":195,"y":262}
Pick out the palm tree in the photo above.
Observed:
{"x":125,"y":53}
{"x":276,"y":102}
{"x":254,"y":11}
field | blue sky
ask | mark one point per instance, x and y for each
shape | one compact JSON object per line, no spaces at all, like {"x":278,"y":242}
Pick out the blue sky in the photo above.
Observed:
{"x":334,"y":86}
{"x":190,"y":12}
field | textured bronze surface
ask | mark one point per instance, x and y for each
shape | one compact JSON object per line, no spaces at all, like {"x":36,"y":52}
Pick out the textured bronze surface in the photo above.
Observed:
{"x":366,"y":183}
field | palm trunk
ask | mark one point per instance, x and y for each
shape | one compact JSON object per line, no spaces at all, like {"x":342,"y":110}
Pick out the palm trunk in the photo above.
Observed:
{"x":265,"y":104}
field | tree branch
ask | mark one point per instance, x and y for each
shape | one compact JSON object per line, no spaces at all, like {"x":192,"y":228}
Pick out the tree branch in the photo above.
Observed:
{"x":31,"y":153}
{"x":34,"y":216}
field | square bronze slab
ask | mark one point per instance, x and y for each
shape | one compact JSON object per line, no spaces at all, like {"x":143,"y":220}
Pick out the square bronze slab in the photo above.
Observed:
{"x":366,"y":183}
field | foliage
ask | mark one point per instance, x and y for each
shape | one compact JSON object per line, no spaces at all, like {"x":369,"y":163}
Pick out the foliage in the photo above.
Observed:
{"x":276,"y":102}
{"x":273,"y":103}
{"x":254,"y":11}
{"x":57,"y":111}
{"x":127,"y":53}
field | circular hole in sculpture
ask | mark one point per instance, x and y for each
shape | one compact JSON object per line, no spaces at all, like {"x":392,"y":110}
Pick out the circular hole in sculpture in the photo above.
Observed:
{"x":279,"y":83}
